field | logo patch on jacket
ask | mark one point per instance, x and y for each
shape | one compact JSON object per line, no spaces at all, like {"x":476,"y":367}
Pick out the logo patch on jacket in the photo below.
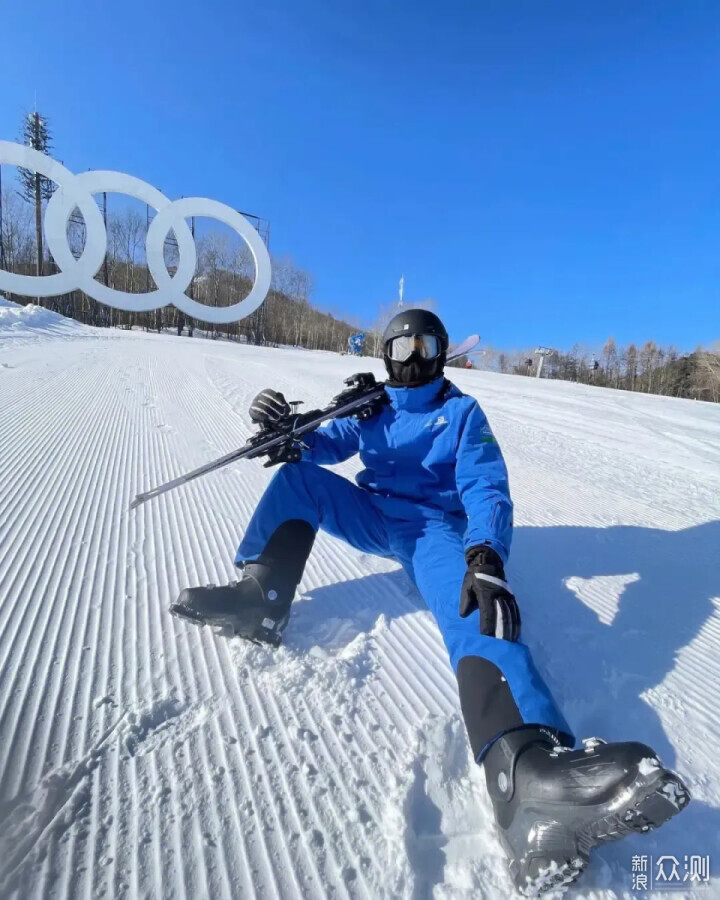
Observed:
{"x":441,"y":420}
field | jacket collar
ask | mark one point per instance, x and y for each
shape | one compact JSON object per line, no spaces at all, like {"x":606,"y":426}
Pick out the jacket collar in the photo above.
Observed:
{"x":415,"y":398}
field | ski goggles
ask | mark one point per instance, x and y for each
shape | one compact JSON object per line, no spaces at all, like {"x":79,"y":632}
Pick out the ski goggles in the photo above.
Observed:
{"x":401,"y":348}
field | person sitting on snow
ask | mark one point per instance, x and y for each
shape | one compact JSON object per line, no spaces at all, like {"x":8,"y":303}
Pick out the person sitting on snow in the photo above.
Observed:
{"x":434,"y":495}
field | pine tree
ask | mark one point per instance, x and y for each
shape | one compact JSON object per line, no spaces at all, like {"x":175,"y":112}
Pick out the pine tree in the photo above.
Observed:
{"x":36,"y":187}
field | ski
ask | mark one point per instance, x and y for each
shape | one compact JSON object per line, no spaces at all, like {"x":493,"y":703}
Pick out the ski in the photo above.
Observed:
{"x":361,"y":393}
{"x":463,"y":348}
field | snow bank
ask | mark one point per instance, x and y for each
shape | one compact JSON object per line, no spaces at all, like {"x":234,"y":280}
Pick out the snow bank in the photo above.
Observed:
{"x":33,"y":322}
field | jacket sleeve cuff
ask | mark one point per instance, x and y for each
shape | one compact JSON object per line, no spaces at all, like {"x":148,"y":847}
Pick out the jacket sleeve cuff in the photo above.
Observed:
{"x":494,"y":545}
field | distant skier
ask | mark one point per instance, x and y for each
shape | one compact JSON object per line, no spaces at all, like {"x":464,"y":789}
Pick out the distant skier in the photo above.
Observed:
{"x":434,"y":495}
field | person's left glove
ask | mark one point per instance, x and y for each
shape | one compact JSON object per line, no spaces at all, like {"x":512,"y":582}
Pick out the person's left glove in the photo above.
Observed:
{"x":357,"y":385}
{"x":288,"y":452}
{"x":484,"y":588}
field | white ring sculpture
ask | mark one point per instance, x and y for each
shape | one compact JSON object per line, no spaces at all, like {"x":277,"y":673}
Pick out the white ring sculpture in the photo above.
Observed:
{"x":78,"y":274}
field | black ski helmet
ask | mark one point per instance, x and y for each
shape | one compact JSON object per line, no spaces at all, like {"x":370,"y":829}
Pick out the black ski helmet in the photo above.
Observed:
{"x":416,"y":370}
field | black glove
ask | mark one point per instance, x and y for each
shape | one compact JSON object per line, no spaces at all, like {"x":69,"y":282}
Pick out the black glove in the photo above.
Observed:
{"x":484,"y":588}
{"x":289,"y":452}
{"x":372,"y":409}
{"x":363,"y":381}
{"x":269,"y":408}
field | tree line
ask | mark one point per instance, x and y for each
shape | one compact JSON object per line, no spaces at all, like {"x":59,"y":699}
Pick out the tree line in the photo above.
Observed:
{"x":224,"y":276}
{"x":647,"y":369}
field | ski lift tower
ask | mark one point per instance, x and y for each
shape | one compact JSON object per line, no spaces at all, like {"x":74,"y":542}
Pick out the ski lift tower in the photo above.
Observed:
{"x":542,"y":352}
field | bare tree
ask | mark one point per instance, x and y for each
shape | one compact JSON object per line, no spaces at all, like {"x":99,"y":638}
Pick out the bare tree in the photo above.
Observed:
{"x":17,"y":237}
{"x":610,"y":361}
{"x":631,"y":367}
{"x":708,"y":375}
{"x":648,"y":360}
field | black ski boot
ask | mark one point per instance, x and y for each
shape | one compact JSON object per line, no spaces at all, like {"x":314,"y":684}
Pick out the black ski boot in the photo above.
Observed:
{"x":257,"y":607}
{"x":553,"y":804}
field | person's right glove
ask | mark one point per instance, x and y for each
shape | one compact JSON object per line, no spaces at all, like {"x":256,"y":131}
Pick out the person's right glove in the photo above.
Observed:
{"x":269,"y":408}
{"x":484,"y":588}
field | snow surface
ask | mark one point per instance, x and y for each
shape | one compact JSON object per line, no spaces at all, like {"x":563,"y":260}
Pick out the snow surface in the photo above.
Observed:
{"x":143,"y":757}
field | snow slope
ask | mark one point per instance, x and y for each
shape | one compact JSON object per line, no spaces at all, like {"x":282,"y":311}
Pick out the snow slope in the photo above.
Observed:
{"x":143,"y":757}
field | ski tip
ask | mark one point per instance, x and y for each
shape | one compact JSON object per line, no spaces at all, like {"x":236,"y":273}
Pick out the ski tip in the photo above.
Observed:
{"x":463,"y":347}
{"x":141,"y":498}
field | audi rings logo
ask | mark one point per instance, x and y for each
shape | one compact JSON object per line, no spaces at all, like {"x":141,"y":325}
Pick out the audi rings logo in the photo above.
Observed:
{"x":77,"y":191}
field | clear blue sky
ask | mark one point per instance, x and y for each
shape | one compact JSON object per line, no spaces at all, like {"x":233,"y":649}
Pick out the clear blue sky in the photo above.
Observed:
{"x":548,"y":172}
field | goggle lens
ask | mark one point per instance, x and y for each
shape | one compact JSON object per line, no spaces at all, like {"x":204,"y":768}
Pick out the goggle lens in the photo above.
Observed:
{"x":400,"y":349}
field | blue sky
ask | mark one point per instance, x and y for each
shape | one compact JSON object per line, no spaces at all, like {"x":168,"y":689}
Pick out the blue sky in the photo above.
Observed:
{"x":548,"y":172}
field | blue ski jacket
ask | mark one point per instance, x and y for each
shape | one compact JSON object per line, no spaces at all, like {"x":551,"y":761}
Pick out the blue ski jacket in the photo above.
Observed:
{"x":428,"y":454}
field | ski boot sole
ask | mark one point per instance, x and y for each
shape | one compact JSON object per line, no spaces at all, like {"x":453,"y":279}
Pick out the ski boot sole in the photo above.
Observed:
{"x":260,"y":635}
{"x":565,"y":855}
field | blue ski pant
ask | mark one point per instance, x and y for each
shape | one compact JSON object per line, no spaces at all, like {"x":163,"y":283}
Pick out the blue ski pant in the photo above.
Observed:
{"x":431,"y":552}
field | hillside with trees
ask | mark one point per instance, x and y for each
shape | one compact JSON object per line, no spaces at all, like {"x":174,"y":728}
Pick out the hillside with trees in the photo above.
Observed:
{"x":648,"y":369}
{"x":288,"y":317}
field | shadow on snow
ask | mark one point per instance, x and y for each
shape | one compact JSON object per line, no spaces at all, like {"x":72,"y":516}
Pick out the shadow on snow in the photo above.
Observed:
{"x":598,"y":671}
